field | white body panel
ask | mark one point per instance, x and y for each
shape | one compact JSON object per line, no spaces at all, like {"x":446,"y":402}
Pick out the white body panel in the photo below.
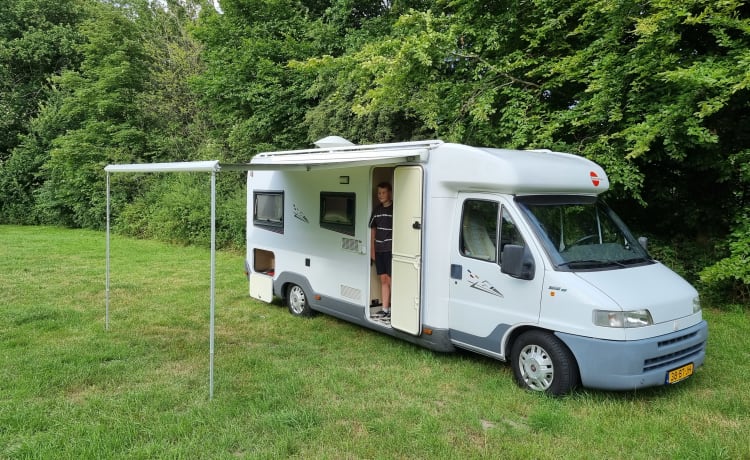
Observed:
{"x":335,"y":259}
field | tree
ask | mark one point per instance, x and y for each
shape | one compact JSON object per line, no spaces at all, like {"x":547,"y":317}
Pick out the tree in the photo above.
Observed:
{"x":104,"y":123}
{"x":254,"y":99}
{"x":38,"y":40}
{"x":129,"y":101}
{"x":371,"y":92}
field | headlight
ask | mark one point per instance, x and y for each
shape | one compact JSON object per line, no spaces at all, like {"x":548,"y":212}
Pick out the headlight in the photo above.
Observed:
{"x":633,"y":318}
{"x":696,"y":304}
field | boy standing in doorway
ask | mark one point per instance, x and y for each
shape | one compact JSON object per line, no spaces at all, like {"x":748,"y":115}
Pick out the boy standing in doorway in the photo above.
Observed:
{"x":381,"y":237}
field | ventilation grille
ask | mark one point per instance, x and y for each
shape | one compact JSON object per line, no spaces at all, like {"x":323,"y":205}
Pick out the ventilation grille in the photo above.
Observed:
{"x":350,"y":292}
{"x":350,"y":244}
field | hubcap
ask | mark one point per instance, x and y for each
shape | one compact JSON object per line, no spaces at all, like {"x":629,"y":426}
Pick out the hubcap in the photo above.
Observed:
{"x":297,"y":299}
{"x":536,"y":367}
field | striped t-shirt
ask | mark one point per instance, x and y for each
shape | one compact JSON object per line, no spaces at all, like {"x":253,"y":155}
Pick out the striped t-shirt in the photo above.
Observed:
{"x":382,"y":222}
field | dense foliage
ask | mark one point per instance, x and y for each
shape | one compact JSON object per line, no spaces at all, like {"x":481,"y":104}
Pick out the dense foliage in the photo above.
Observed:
{"x":656,"y":92}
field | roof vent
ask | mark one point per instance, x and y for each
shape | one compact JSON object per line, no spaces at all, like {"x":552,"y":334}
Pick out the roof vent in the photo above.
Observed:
{"x":333,"y":141}
{"x":539,"y":150}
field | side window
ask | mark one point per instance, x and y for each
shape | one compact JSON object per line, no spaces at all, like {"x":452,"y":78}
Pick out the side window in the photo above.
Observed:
{"x":268,"y":211}
{"x":337,"y":211}
{"x":509,"y":233}
{"x":479,"y":230}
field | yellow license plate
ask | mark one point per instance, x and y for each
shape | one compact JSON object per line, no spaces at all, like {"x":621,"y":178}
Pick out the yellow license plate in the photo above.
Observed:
{"x":681,"y":373}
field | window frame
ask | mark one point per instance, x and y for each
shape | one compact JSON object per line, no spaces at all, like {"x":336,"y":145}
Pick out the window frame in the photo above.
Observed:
{"x":350,"y":212}
{"x":276,"y":226}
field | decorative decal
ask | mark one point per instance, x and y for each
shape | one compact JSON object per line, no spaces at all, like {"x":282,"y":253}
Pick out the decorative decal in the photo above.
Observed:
{"x":299,"y":214}
{"x":476,"y":282}
{"x":594,"y":178}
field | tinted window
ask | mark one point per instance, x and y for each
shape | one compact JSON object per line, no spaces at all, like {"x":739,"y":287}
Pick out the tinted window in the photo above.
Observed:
{"x":337,"y":211}
{"x":268,"y":210}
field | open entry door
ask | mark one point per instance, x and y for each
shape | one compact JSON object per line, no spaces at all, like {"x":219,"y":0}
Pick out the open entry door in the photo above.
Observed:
{"x":407,"y":249}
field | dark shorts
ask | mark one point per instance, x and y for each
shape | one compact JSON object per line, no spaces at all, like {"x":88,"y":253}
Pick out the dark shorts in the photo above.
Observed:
{"x":383,"y":263}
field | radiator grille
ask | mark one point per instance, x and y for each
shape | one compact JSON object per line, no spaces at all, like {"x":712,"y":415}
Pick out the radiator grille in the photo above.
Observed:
{"x":681,"y":338}
{"x":668,"y":359}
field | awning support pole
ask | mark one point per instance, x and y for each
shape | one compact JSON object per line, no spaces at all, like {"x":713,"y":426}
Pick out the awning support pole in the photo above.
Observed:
{"x":213,"y":285}
{"x":106,"y":281}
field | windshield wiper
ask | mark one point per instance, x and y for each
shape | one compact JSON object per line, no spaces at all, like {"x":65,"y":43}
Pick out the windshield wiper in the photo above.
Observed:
{"x":637,"y":260}
{"x":590,"y":262}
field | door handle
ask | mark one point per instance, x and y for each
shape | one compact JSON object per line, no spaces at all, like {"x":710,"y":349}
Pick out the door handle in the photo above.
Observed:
{"x":416,"y":225}
{"x":457,"y":271}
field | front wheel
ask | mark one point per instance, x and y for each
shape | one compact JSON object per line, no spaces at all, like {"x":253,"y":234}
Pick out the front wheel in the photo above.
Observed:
{"x":541,"y":362}
{"x":296,"y":300}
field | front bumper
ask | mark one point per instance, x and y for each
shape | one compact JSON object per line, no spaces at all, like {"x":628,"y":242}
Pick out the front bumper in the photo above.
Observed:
{"x":628,"y":365}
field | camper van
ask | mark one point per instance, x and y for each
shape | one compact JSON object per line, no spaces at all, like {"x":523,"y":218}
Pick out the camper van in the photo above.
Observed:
{"x":508,"y":253}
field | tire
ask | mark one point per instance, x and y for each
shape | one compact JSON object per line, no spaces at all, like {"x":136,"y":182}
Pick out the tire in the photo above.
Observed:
{"x":296,"y":301}
{"x":541,"y":362}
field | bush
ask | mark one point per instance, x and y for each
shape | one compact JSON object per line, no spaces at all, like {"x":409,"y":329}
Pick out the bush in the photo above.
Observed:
{"x":176,"y":208}
{"x":728,"y":280}
{"x":686,"y":257}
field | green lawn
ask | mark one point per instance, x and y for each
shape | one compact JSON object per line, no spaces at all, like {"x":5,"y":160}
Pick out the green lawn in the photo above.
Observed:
{"x":290,"y":387}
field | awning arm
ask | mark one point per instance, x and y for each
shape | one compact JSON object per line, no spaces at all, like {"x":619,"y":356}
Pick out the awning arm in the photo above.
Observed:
{"x":179,"y":166}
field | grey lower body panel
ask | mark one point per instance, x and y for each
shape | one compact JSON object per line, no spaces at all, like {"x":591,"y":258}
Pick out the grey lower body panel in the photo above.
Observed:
{"x":438,"y":340}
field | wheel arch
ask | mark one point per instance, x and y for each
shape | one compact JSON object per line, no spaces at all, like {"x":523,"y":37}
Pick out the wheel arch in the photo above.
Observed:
{"x":513,"y":333}
{"x":285,"y":280}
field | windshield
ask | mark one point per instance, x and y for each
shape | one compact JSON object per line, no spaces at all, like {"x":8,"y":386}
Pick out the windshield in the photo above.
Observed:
{"x":582,"y":233}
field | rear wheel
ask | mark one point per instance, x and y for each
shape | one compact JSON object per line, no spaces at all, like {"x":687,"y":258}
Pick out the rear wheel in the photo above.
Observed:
{"x":296,"y":300}
{"x":541,"y":362}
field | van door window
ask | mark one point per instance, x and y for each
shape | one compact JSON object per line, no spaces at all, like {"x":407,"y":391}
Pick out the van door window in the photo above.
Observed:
{"x":509,"y":233}
{"x":479,"y":230}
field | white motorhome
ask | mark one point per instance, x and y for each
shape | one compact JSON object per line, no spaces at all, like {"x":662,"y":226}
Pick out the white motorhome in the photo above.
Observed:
{"x":511,"y":254}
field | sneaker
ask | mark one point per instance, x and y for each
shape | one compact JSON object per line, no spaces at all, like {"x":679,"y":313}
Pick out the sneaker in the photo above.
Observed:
{"x":383,"y":314}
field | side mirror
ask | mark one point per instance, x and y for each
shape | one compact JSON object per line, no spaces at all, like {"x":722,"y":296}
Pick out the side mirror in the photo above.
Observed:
{"x":517,"y":262}
{"x":643,"y":241}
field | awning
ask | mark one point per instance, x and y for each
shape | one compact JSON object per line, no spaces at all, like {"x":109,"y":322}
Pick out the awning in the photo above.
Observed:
{"x":337,"y":158}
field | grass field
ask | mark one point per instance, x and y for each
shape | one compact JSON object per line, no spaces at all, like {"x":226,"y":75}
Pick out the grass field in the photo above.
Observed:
{"x":291,"y":387}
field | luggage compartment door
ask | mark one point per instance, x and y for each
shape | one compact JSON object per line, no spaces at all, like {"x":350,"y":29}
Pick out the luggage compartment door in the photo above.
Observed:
{"x":407,"y":250}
